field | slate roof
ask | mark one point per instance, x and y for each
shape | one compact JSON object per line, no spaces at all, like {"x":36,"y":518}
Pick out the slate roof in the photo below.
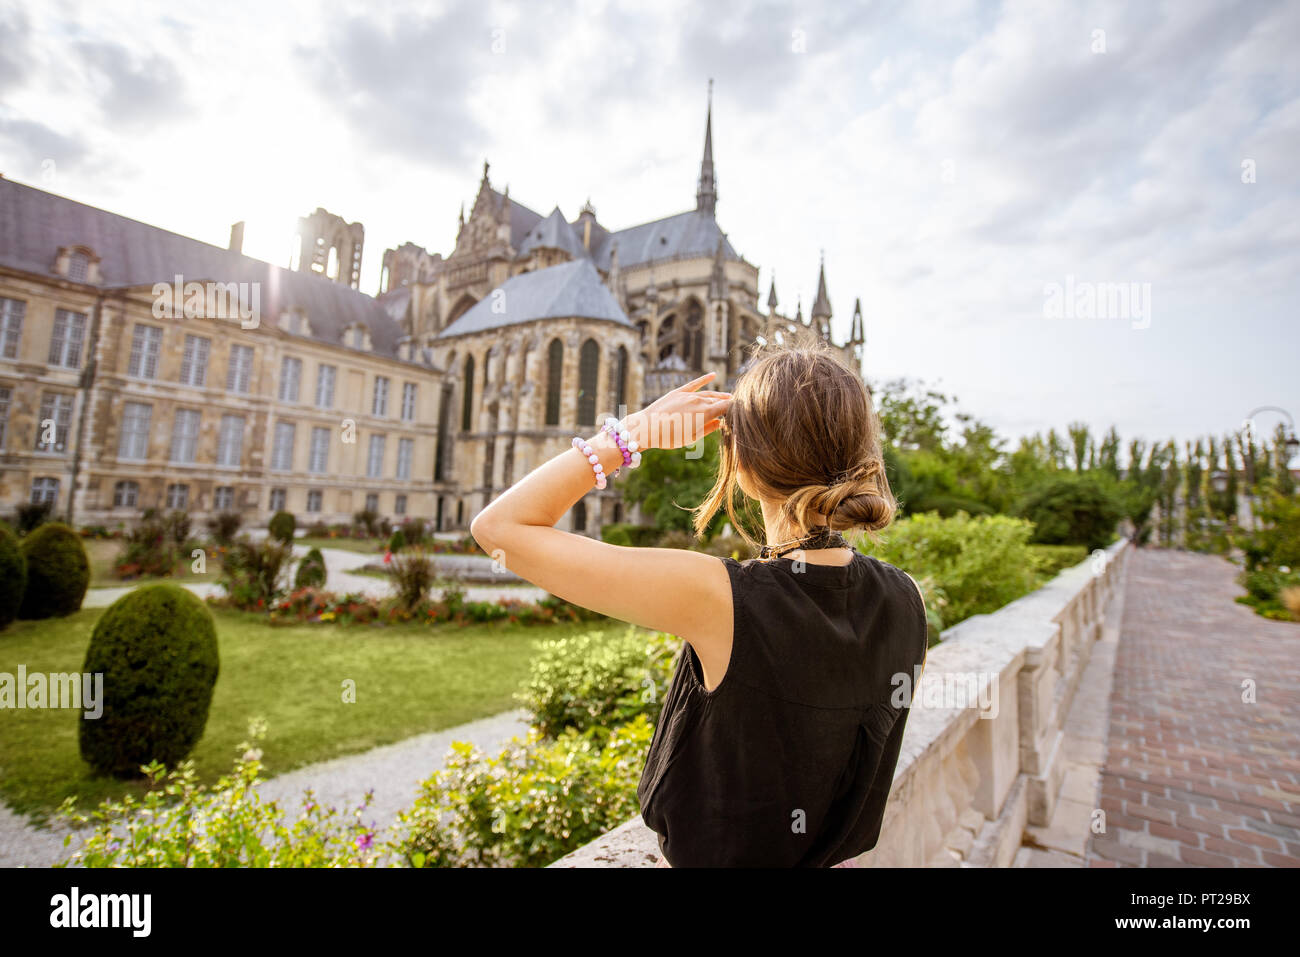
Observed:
{"x":553,"y":232}
{"x":572,"y":289}
{"x":34,"y":224}
{"x":522,"y":219}
{"x":692,"y":233}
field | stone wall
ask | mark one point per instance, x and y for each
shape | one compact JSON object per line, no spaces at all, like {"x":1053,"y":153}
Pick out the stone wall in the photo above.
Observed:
{"x":981,"y":756}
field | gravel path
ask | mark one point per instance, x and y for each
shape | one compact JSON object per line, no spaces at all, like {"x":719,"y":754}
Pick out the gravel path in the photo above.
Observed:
{"x":393,"y":771}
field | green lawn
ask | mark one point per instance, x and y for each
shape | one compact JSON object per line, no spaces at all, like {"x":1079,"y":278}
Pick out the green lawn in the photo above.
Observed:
{"x":410,"y":679}
{"x":367,"y":546}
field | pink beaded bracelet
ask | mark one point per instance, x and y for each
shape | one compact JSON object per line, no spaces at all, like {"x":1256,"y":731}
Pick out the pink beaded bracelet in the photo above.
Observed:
{"x":626,"y":444}
{"x":593,"y":458}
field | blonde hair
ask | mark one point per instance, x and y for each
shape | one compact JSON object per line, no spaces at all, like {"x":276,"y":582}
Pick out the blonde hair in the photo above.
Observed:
{"x":802,"y":425}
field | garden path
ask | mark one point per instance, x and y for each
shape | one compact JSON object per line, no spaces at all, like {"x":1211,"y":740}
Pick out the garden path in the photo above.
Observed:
{"x":393,"y":771}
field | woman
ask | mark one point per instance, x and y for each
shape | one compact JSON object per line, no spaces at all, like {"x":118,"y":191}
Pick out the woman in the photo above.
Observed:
{"x":781,"y":729}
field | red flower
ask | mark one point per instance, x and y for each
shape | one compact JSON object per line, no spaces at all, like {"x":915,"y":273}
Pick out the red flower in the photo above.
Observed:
{"x":388,"y":557}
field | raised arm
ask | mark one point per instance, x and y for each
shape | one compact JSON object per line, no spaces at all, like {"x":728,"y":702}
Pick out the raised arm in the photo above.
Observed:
{"x":682,"y":592}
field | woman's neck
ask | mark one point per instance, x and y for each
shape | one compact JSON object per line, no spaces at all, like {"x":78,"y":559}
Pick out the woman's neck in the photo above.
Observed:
{"x":777,"y":529}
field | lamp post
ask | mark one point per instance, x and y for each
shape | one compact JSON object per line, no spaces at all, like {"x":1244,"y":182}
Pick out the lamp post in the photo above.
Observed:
{"x":1291,"y":444}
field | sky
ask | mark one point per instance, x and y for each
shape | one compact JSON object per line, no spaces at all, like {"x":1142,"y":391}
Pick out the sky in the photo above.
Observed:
{"x":975,"y":173}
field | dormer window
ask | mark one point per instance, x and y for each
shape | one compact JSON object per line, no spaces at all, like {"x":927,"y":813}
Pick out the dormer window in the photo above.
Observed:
{"x":294,"y":322}
{"x":77,"y":264}
{"x":357,"y":336}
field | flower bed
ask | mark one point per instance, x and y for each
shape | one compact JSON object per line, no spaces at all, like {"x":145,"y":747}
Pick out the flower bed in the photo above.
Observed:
{"x":315,"y":605}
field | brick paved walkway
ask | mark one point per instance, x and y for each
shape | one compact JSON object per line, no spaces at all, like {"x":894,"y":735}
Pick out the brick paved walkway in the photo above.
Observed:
{"x":1193,"y":776}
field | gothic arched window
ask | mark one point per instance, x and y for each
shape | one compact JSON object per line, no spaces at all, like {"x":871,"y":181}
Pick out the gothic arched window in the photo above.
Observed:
{"x":554,"y":374}
{"x":588,"y":369}
{"x":467,"y":395}
{"x":620,"y":381}
{"x":693,"y":336}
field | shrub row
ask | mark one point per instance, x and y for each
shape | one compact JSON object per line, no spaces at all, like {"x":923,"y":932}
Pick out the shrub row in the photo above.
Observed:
{"x":44,"y":575}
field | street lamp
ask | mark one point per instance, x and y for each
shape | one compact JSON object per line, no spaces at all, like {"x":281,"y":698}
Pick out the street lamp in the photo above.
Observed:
{"x":1291,"y":443}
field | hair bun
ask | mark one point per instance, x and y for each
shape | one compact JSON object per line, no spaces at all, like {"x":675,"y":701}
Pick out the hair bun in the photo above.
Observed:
{"x":855,"y":498}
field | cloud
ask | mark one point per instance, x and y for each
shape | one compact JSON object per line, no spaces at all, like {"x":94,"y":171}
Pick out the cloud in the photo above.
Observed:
{"x":135,"y":89}
{"x":404,"y":85}
{"x":14,"y":60}
{"x":37,"y":150}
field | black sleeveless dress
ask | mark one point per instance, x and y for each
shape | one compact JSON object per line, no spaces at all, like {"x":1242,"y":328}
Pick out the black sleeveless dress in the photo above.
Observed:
{"x":789,"y":761}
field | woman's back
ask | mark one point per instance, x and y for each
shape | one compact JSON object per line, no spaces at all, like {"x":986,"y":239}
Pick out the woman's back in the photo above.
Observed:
{"x":789,"y":760}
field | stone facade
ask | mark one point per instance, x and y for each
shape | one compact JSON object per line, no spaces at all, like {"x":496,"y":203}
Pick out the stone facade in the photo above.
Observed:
{"x":443,"y":392}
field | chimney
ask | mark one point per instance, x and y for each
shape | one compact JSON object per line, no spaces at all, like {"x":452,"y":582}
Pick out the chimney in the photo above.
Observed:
{"x":237,"y":237}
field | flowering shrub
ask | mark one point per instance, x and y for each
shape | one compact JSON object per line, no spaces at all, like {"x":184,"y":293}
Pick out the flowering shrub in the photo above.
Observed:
{"x":599,"y":680}
{"x":155,"y":546}
{"x":535,"y":802}
{"x":413,"y":575}
{"x":180,"y":823}
{"x":254,"y":574}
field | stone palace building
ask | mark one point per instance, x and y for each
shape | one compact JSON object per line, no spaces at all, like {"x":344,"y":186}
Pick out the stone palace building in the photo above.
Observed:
{"x":140,"y":368}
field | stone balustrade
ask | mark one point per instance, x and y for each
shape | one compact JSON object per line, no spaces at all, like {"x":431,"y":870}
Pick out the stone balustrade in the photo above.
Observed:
{"x":981,"y":756}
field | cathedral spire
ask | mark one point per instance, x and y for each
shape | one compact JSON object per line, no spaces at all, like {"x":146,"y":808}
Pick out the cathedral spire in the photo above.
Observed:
{"x":706,"y":197}
{"x":857,"y":336}
{"x":771,"y":298}
{"x":822,"y":305}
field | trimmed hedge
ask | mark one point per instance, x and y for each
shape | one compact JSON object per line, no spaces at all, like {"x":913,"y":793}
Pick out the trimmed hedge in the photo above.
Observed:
{"x":13,"y":577}
{"x":311,"y":571}
{"x":157,"y":649}
{"x":282,"y":526}
{"x":58,"y":572}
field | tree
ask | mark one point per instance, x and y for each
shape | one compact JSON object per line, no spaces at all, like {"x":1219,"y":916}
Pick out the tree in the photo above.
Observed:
{"x":669,"y":484}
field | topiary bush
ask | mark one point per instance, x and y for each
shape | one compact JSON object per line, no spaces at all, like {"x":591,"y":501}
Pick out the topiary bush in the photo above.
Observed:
{"x":29,"y":516}
{"x":13,"y":577}
{"x":58,"y":572}
{"x":282,"y":526}
{"x":397,"y":541}
{"x":157,"y":649}
{"x":311,"y":571}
